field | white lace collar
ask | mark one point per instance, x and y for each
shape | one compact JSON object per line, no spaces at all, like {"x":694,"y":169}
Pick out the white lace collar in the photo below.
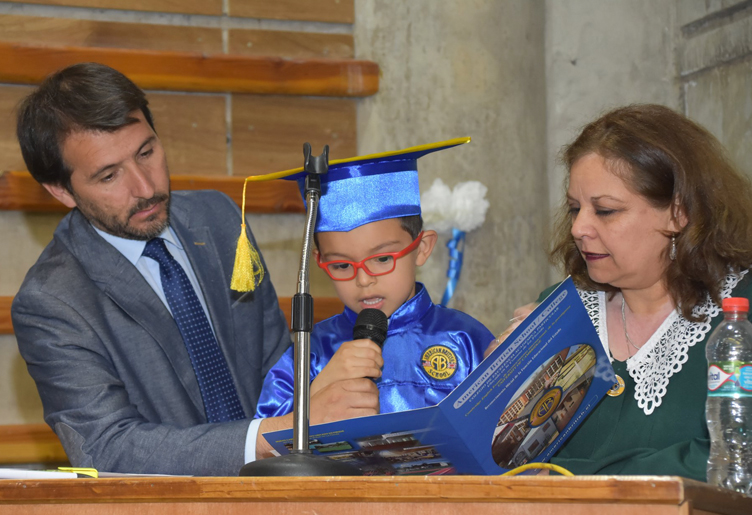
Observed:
{"x":666,"y":351}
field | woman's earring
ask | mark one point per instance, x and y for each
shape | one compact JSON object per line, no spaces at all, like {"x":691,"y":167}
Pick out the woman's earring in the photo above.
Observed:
{"x":672,"y":254}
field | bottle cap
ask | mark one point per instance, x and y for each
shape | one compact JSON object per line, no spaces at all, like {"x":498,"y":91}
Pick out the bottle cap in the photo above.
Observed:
{"x":736,"y":304}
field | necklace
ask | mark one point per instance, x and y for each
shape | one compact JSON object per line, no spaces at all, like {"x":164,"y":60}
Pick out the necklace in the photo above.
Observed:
{"x":624,"y":322}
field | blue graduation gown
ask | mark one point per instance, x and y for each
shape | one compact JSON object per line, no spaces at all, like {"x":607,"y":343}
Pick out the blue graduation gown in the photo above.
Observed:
{"x":428,"y":351}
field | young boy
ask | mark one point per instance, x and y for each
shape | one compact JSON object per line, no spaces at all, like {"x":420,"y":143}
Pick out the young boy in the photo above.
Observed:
{"x":370,"y":242}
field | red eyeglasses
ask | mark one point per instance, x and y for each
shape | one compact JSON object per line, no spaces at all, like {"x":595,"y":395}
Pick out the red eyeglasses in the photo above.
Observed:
{"x":378,"y":264}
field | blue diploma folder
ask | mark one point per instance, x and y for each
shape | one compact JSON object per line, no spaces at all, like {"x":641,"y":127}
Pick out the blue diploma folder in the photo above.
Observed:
{"x":518,"y":406}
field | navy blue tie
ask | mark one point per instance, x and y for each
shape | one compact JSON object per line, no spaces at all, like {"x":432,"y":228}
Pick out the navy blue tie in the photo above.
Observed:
{"x":221,"y":400}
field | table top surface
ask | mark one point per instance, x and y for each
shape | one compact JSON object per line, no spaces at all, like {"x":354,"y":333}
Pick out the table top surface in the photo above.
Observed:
{"x":666,"y":490}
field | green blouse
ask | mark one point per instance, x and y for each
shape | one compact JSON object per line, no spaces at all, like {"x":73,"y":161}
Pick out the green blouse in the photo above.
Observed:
{"x":619,"y":438}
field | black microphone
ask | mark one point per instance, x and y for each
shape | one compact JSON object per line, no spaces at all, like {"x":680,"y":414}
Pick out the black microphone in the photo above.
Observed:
{"x":371,"y":324}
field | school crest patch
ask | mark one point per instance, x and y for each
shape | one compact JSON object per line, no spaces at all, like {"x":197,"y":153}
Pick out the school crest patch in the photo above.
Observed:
{"x":439,"y":362}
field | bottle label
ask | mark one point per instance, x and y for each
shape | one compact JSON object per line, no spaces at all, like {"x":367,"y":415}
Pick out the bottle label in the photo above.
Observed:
{"x":730,"y":378}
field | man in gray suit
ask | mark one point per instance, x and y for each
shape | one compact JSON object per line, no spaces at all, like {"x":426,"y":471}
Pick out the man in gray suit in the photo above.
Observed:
{"x":123,"y":378}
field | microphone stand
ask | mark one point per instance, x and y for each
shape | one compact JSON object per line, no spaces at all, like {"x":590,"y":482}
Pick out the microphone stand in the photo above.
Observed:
{"x":301,"y":461}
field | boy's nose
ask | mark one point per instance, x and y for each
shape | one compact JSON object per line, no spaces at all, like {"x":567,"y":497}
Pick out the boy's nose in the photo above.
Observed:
{"x":362,"y":279}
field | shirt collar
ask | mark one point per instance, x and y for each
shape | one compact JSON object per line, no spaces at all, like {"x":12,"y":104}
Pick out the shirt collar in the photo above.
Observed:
{"x":407,"y":313}
{"x":132,"y":249}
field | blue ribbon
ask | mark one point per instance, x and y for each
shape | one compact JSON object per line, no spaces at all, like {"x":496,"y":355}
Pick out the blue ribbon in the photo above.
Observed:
{"x":456,"y":248}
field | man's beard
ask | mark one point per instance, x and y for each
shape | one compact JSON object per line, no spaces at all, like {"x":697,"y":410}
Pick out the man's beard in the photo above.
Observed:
{"x":112,"y":225}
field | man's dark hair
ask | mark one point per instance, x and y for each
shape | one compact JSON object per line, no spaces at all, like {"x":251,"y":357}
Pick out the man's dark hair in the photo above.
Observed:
{"x":82,"y":97}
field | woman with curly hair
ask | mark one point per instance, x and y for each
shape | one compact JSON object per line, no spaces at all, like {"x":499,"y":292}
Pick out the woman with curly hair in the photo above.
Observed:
{"x":656,"y":231}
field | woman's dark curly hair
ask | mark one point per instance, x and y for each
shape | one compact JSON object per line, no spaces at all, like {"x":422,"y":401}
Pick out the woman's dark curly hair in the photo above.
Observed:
{"x":670,"y":160}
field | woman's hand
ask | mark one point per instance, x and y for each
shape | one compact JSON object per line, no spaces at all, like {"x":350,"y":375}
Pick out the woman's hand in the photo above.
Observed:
{"x":520,"y":314}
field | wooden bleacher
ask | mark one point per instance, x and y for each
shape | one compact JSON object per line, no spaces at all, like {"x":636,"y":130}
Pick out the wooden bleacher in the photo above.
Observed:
{"x":30,"y":443}
{"x":227,"y":103}
{"x":19,"y":191}
{"x":184,"y":71}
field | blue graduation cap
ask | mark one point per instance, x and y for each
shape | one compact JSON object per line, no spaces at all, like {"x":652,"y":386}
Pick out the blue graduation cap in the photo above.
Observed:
{"x":365,"y":189}
{"x":354,"y":192}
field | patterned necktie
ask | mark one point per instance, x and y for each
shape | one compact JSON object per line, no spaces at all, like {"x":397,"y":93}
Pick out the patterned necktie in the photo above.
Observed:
{"x":221,"y":400}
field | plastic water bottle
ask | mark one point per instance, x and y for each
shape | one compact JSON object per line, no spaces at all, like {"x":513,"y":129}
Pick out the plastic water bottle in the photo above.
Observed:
{"x":729,"y":405}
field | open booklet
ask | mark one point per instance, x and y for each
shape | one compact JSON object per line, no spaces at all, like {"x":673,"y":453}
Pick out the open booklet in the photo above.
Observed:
{"x":518,"y":406}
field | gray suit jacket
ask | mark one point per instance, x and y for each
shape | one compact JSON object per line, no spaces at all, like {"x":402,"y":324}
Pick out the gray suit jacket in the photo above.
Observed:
{"x":112,"y":370}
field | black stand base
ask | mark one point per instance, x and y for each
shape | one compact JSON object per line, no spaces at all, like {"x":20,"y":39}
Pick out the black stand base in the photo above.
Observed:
{"x":298,"y":464}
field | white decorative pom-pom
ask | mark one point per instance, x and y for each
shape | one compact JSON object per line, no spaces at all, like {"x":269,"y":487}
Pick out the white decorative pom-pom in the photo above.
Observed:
{"x":435,"y":204}
{"x":469,"y":205}
{"x":463,"y":208}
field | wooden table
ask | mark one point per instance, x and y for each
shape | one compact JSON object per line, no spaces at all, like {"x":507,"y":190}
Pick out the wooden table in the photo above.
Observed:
{"x":437,"y":495}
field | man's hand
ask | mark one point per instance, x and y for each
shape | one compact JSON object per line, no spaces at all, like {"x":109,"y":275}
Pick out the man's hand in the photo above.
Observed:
{"x":354,"y":359}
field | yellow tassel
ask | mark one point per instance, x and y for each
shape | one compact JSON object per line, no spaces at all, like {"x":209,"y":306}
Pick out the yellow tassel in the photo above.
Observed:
{"x":248,"y":271}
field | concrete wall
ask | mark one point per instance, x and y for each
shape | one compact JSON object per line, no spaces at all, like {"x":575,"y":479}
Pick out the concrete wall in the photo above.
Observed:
{"x":478,"y":70}
{"x":600,"y":55}
{"x":715,"y":71}
{"x":692,"y":55}
{"x":472,"y":68}
{"x":23,"y":236}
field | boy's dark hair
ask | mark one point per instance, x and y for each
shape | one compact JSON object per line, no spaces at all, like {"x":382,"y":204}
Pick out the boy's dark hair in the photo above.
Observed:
{"x":82,"y":97}
{"x":413,"y":224}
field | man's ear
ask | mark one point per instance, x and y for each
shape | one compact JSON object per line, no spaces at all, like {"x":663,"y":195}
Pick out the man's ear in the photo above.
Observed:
{"x":60,"y":193}
{"x":427,"y":243}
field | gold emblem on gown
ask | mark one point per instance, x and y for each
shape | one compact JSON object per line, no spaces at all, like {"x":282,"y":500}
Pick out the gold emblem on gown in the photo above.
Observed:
{"x":618,"y":387}
{"x":439,"y":362}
